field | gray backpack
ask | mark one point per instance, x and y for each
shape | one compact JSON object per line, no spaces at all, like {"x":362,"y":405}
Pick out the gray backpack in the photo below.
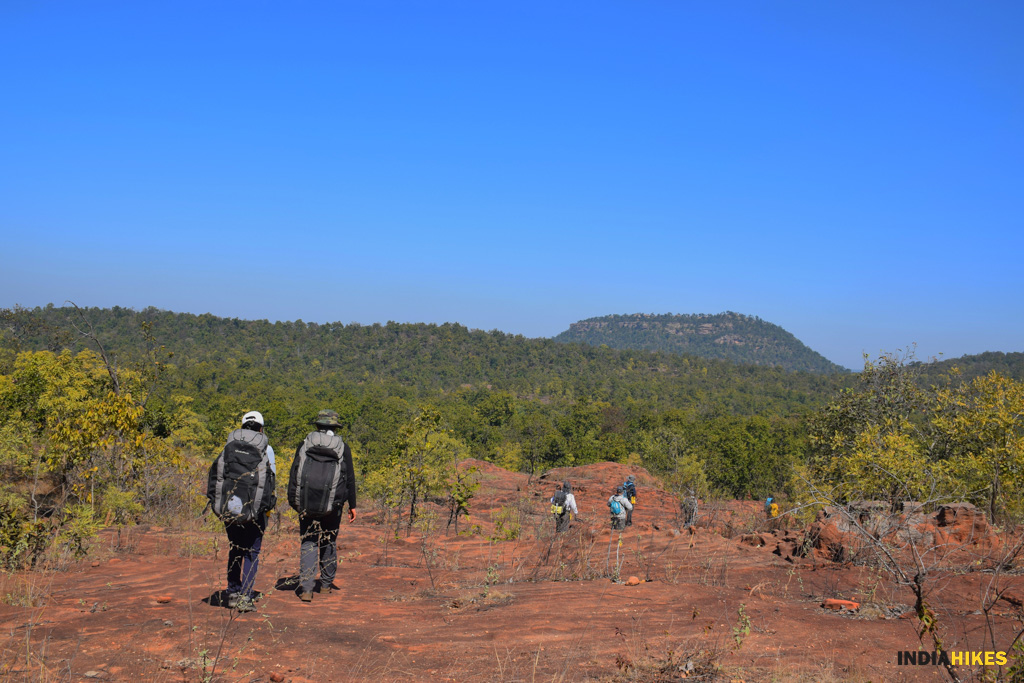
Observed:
{"x":240,"y":485}
{"x":319,"y":485}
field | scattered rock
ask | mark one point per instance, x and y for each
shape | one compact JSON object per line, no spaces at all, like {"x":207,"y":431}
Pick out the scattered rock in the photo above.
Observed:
{"x":872,"y":612}
{"x":164,"y":599}
{"x":94,"y":674}
{"x":964,"y":524}
{"x":831,"y":537}
{"x":633,"y":581}
{"x":95,"y":564}
{"x":753,"y":540}
{"x":168,"y":622}
{"x":277,"y":678}
{"x":840,"y":605}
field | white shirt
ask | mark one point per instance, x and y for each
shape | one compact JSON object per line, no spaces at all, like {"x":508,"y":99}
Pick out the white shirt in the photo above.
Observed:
{"x":270,"y":457}
{"x":570,"y":503}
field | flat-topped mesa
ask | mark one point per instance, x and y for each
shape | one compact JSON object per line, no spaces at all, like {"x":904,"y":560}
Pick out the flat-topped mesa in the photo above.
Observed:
{"x":729,"y":336}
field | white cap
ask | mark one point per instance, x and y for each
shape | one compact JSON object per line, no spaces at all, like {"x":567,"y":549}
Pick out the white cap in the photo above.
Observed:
{"x":253,"y":416}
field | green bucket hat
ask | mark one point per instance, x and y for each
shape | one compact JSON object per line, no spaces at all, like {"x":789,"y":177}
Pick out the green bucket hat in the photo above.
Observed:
{"x":326,"y":418}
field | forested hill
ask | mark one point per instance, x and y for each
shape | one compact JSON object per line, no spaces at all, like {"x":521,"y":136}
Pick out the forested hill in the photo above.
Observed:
{"x":1006,"y":364}
{"x":729,"y":336}
{"x":423,"y":359}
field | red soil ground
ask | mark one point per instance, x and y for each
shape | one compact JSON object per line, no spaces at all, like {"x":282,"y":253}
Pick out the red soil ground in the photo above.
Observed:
{"x":465,"y":608}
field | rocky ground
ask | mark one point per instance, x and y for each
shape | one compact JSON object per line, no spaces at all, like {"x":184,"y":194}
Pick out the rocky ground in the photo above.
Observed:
{"x":738,"y":598}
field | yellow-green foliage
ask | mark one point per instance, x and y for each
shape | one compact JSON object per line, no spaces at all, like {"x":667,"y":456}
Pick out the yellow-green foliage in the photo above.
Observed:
{"x":980,"y":426}
{"x":74,"y":441}
{"x":509,"y":455}
{"x":882,"y":463}
{"x":422,"y":466}
{"x":507,"y":523}
{"x":889,"y":439}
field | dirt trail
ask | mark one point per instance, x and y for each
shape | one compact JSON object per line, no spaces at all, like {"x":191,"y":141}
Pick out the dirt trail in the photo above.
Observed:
{"x":467,"y":608}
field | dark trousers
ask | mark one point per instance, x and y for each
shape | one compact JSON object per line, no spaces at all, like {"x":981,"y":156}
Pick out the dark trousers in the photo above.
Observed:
{"x":629,"y":516}
{"x":319,"y":548}
{"x":562,"y":523}
{"x":618,"y":523}
{"x":245,"y":541}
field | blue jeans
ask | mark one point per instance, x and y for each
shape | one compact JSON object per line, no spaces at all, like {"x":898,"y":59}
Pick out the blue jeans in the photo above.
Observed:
{"x":244,"y":555}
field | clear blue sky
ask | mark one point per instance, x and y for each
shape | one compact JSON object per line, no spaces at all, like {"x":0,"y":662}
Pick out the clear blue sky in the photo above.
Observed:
{"x":853,"y":172}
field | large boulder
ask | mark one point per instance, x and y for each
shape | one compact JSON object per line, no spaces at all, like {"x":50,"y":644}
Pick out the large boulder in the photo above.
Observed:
{"x":962,"y":525}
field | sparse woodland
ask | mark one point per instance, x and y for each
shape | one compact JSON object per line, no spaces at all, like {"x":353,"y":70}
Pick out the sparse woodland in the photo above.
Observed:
{"x":110,"y":417}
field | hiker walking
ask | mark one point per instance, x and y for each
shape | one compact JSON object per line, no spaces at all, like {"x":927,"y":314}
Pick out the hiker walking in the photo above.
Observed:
{"x":771,"y":508}
{"x":619,"y":506}
{"x":629,"y":490}
{"x":240,"y":488}
{"x":563,"y":504}
{"x":322,"y":481}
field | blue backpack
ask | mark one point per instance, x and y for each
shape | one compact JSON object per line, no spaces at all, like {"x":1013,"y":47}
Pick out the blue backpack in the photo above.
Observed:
{"x":616,"y":506}
{"x":629,"y":490}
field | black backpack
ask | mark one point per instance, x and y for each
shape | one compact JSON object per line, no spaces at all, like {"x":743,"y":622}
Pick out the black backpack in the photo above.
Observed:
{"x":558,"y":502}
{"x":241,"y":483}
{"x":319,"y":484}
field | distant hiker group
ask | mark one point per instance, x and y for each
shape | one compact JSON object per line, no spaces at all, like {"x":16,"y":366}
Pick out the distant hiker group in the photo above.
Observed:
{"x":620,"y":505}
{"x":241,"y":490}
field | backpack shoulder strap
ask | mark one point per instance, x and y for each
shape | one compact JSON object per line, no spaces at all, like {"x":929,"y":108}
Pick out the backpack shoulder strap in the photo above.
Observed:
{"x":300,"y":459}
{"x":218,"y":491}
{"x":338,"y":446}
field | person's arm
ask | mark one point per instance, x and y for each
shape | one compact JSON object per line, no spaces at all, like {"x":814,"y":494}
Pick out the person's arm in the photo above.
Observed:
{"x":572,"y":505}
{"x":350,"y":472}
{"x":211,"y":481}
{"x":293,"y":477}
{"x":625,"y":503}
{"x":270,"y":457}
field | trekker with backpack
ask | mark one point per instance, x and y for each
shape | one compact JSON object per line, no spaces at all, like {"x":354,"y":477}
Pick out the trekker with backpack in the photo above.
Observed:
{"x":629,"y":491}
{"x":240,"y":488}
{"x":322,"y":481}
{"x":618,"y":504}
{"x":563,"y":503}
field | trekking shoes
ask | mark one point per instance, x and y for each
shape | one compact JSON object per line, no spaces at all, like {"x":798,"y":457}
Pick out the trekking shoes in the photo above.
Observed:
{"x":244,"y":604}
{"x":232,"y":600}
{"x":328,"y":589}
{"x":306,"y":596}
